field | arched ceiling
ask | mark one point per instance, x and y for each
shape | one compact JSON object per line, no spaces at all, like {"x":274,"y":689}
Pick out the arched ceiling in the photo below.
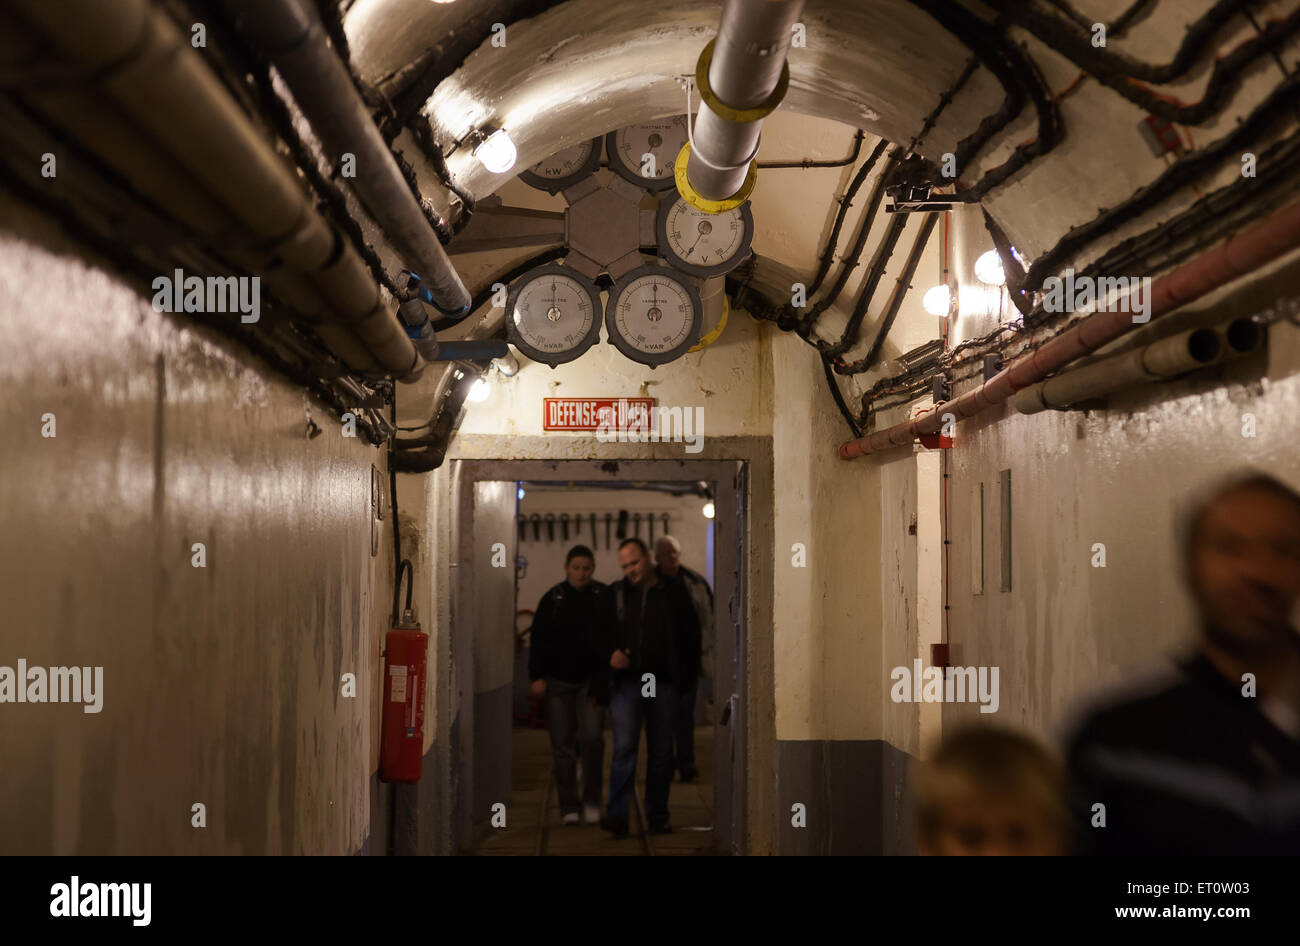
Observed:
{"x":576,"y":69}
{"x":586,"y":67}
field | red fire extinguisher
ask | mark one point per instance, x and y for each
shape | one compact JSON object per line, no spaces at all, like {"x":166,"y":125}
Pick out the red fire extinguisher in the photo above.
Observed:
{"x":401,"y":747}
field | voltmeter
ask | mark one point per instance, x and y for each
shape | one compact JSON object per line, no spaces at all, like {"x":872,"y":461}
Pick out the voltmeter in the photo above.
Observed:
{"x":700,"y":243}
{"x":644,"y":154}
{"x":653,"y":315}
{"x":553,"y":314}
{"x":564,"y":168}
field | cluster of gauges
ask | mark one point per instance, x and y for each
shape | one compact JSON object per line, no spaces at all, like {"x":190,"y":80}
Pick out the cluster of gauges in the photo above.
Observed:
{"x":654,"y":312}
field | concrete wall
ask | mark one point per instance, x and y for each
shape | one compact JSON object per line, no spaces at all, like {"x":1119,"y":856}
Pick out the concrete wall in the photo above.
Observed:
{"x":1118,"y":475}
{"x":221,"y":684}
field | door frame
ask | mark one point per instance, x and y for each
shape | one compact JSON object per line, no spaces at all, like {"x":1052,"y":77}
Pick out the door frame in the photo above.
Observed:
{"x":731,"y":479}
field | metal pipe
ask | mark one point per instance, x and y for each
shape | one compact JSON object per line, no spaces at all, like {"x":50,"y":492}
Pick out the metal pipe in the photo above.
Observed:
{"x":292,"y":36}
{"x":1240,"y":337}
{"x":742,"y":76}
{"x":1243,"y":253}
{"x":1166,"y":358}
{"x":148,"y":71}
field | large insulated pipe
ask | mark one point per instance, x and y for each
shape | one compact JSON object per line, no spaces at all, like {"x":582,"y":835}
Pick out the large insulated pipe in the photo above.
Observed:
{"x":1242,"y":253}
{"x":1166,"y":358}
{"x":742,"y":76}
{"x":292,"y":36}
{"x":148,"y":70}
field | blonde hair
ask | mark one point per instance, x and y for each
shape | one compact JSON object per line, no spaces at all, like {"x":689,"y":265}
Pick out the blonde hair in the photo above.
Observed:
{"x":988,"y":760}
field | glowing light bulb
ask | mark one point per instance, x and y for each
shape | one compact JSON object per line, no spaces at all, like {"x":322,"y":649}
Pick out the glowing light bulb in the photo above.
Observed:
{"x":988,"y":269}
{"x":496,"y":152}
{"x":708,"y":510}
{"x":480,"y":390}
{"x":937,"y":301}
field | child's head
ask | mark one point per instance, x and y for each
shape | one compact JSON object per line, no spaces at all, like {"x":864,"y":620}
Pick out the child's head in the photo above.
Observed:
{"x":990,"y":791}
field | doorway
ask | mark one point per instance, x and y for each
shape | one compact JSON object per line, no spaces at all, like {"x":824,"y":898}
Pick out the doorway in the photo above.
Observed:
{"x":488,"y":711}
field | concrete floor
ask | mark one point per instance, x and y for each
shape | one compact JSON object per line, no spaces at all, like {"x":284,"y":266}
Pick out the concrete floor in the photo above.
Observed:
{"x":527,"y":833}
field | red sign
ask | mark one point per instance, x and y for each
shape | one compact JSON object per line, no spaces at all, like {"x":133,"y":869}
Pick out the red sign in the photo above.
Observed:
{"x":590,"y":413}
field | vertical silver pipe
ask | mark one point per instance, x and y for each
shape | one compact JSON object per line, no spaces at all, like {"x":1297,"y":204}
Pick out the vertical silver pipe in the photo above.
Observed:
{"x":749,"y":56}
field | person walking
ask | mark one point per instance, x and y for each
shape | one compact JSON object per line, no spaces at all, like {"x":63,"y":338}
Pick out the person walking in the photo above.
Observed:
{"x":562,"y":661}
{"x":648,"y":626}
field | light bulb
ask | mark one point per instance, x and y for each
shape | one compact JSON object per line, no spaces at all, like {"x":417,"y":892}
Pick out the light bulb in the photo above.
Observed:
{"x":496,"y":152}
{"x":937,"y":301}
{"x":708,"y":510}
{"x":480,"y":390}
{"x":988,"y":269}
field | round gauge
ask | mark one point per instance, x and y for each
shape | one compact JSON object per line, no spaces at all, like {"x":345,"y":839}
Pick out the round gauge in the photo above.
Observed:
{"x":700,"y":243}
{"x":553,"y":314}
{"x":644,"y":154}
{"x":564,"y":168}
{"x":653,"y":315}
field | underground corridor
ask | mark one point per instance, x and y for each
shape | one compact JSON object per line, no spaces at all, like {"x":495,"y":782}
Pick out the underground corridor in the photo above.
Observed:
{"x":583,"y":427}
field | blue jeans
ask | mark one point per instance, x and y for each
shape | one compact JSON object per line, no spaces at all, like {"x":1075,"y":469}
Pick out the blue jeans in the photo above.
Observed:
{"x":577,"y":731}
{"x":627,"y":708}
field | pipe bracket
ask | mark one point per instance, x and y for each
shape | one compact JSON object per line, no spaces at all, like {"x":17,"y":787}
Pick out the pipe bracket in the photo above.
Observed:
{"x":698,"y":200}
{"x":740,"y":115}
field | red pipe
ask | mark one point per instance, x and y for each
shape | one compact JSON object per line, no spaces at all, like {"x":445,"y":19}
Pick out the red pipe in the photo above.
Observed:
{"x":1241,"y":254}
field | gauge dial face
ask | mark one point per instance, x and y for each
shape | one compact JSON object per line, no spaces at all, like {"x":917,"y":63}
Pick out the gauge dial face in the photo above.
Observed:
{"x":700,"y":243}
{"x":564,"y":168}
{"x":644,"y":154}
{"x":653,"y":315}
{"x":553,"y":315}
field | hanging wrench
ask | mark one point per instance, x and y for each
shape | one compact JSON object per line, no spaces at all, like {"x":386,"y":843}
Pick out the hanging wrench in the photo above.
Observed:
{"x":550,"y":527}
{"x":594,"y":544}
{"x":636,"y":524}
{"x":609,"y":518}
{"x":536,"y":520}
{"x":564,"y":525}
{"x":665,"y":523}
{"x":650,"y":518}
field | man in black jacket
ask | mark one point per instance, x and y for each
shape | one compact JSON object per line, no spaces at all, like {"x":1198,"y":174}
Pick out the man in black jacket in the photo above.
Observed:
{"x":561,"y":663}
{"x":1208,"y":761}
{"x":648,"y":625}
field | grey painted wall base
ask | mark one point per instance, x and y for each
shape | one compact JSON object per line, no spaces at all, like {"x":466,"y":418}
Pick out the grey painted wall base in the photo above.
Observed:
{"x":853,"y":796}
{"x":493,"y":727}
{"x":415,"y":823}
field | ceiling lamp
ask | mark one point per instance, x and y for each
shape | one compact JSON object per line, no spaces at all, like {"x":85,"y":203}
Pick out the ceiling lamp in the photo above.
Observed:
{"x":937,"y":301}
{"x":496,"y":152}
{"x":988,"y":269}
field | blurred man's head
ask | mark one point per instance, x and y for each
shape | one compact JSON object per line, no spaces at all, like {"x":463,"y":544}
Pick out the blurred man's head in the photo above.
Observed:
{"x":1242,"y":548}
{"x":668,"y":555}
{"x":579,"y":566}
{"x":990,"y":790}
{"x":634,"y":559}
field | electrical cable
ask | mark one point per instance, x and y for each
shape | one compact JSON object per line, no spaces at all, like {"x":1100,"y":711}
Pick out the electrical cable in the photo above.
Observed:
{"x":397,"y":527}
